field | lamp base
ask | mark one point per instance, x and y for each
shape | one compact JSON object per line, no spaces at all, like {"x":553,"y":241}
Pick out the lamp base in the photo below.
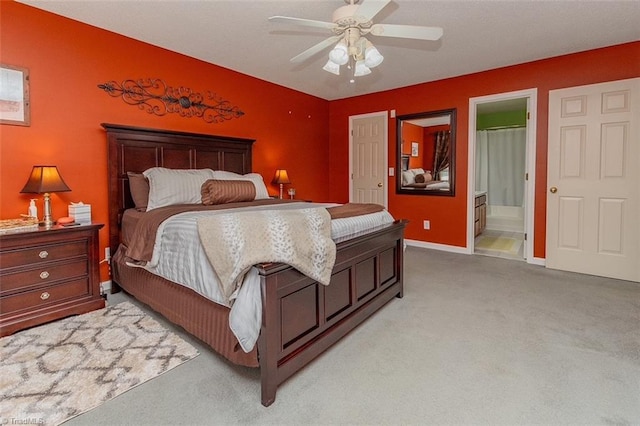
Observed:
{"x":47,"y":221}
{"x":281,"y":186}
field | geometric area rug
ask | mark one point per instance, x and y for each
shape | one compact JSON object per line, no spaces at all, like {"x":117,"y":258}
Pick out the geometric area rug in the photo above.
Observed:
{"x":51,"y":373}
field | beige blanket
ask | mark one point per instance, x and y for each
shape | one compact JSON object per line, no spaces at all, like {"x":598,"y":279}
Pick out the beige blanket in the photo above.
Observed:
{"x":234,"y":242}
{"x":143,"y":237}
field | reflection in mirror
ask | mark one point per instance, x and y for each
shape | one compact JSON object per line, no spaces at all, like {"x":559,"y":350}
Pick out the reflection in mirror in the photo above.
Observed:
{"x":426,"y":153}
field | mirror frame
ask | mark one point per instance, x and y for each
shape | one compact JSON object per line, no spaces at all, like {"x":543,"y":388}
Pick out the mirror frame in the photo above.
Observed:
{"x":452,"y":153}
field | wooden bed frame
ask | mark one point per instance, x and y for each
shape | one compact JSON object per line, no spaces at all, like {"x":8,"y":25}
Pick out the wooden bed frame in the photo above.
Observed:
{"x":301,"y":318}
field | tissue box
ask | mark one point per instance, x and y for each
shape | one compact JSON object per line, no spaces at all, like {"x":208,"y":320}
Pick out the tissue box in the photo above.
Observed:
{"x":81,"y":213}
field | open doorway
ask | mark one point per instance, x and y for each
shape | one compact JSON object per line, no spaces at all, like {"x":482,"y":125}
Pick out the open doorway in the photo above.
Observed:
{"x":501,"y":174}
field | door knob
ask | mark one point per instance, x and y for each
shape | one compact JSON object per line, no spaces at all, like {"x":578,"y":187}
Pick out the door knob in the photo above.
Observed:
{"x":379,"y":184}
{"x":553,"y":189}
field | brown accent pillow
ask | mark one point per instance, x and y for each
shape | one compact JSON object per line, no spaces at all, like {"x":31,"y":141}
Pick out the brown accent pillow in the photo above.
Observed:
{"x":423,"y":178}
{"x":353,"y":209}
{"x":139,"y":188}
{"x":216,"y":191}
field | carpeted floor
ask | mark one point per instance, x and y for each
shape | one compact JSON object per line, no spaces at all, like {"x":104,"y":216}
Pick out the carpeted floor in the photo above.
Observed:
{"x":51,"y":373}
{"x":476,"y":340}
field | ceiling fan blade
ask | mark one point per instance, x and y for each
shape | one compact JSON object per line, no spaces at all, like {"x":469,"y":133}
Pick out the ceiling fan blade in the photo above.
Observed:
{"x":406,"y":31}
{"x":303,"y":22}
{"x":370,"y":8}
{"x":316,"y":48}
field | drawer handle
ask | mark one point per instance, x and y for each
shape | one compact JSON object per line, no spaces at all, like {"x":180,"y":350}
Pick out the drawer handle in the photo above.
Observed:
{"x":44,"y":275}
{"x":43,"y":254}
{"x":45,"y":296}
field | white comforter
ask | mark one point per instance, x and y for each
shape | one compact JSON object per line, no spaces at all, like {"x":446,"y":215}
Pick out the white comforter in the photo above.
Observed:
{"x":179,"y":257}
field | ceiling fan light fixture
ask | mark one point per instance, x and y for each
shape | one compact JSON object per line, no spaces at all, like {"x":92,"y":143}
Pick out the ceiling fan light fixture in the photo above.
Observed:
{"x":332,"y":67}
{"x":350,"y":24}
{"x":372,"y":57}
{"x":361,"y":69}
{"x":339,"y":54}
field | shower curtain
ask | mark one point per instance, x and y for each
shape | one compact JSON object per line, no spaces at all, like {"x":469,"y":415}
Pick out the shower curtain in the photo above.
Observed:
{"x":500,"y":165}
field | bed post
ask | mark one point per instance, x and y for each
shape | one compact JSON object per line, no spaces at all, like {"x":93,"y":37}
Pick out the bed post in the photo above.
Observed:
{"x":268,"y":341}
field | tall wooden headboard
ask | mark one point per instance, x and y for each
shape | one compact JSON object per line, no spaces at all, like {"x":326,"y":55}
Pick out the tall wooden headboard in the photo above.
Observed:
{"x":135,"y":149}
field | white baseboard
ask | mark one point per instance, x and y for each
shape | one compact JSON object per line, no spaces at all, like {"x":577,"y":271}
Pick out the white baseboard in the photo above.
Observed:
{"x":540,"y":261}
{"x":436,"y":246}
{"x":105,"y":287}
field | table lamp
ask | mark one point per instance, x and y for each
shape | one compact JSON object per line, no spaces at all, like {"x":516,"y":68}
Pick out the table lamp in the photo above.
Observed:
{"x":45,"y":180}
{"x":281,"y":178}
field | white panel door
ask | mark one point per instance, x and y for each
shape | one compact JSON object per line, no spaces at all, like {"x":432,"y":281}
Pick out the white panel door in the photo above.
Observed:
{"x":368,"y":135}
{"x":593,"y":203}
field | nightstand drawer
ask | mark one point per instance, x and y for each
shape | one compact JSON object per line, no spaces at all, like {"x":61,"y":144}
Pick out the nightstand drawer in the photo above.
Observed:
{"x":44,"y":296}
{"x":45,"y":273}
{"x":42,"y":253}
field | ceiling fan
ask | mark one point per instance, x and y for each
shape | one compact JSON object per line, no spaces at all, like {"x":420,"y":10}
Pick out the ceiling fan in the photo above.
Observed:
{"x":350,"y":24}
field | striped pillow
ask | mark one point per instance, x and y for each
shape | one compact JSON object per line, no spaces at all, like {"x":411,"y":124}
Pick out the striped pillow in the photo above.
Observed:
{"x":173,"y":186}
{"x":216,"y":191}
{"x":256,"y":178}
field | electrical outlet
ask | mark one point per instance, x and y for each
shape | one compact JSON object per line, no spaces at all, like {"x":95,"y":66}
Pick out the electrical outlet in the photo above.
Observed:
{"x":426,"y":224}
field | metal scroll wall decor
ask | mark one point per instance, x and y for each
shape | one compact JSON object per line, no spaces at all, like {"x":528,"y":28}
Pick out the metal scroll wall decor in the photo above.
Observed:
{"x":155,"y":97}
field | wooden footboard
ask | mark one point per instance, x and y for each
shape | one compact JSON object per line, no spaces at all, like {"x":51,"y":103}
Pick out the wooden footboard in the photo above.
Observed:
{"x":302,"y":318}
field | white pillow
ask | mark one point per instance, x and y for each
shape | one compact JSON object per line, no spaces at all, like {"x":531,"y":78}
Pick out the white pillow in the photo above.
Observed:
{"x":408,"y":177}
{"x":256,"y":178}
{"x":173,"y":186}
{"x":418,"y":171}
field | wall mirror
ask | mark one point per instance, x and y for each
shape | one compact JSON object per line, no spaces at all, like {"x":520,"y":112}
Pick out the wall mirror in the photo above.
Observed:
{"x":426,"y":143}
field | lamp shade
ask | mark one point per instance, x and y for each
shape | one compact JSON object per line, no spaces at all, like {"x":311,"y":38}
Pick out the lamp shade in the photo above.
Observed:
{"x":281,"y":177}
{"x":373,"y":58}
{"x":332,"y":67}
{"x":44,"y":179}
{"x":361,"y":69}
{"x":339,"y":55}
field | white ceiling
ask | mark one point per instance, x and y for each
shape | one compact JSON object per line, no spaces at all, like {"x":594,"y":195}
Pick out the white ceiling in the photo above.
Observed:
{"x":478,"y":35}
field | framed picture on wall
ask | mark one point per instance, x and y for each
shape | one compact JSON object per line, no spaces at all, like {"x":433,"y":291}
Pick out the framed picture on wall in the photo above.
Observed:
{"x":414,"y":149}
{"x":14,"y":95}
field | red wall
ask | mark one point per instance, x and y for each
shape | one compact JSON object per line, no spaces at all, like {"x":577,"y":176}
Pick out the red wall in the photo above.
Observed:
{"x":448,"y":215}
{"x":66,"y":62}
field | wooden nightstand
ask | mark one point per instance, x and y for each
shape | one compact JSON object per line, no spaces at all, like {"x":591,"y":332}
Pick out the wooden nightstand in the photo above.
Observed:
{"x":46,"y":275}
